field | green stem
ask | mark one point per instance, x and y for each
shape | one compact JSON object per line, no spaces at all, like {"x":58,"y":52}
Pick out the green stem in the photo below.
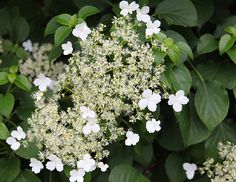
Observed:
{"x":50,"y":177}
{"x":197,"y":72}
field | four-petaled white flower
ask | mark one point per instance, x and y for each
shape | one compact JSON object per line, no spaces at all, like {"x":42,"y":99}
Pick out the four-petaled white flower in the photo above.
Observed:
{"x":131,"y":138}
{"x":153,"y":28}
{"x":190,"y":169}
{"x":81,"y":30}
{"x":67,"y":48}
{"x":142,"y":14}
{"x":14,"y":144}
{"x":42,"y":82}
{"x":27,"y":45}
{"x":103,"y":166}
{"x":153,"y":126}
{"x":19,"y":134}
{"x":87,"y":163}
{"x":87,"y":113}
{"x":77,"y":175}
{"x":36,"y":165}
{"x":91,"y":126}
{"x":127,"y":8}
{"x":54,"y":163}
{"x":178,"y":100}
{"x":149,"y":100}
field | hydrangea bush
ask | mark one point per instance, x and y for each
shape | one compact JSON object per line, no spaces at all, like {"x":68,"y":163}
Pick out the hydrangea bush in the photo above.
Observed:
{"x":143,"y":92}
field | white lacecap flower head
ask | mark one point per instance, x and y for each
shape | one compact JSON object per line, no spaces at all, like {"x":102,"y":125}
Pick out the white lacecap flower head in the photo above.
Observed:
{"x":103,"y":166}
{"x":153,"y":28}
{"x":87,"y":163}
{"x":149,"y":100}
{"x":14,"y":144}
{"x":127,"y":8}
{"x":54,"y":163}
{"x":19,"y":134}
{"x":142,"y":14}
{"x":153,"y":126}
{"x":190,"y":169}
{"x":42,"y":82}
{"x":178,"y":100}
{"x":67,"y":48}
{"x":36,"y":165}
{"x":27,"y":45}
{"x":82,"y":31}
{"x":77,"y":175}
{"x":131,"y":138}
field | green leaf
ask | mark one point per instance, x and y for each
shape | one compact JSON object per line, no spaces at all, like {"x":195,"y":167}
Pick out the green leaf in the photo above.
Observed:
{"x":212,"y":104}
{"x":174,"y":53}
{"x":55,"y":53}
{"x":178,"y":12}
{"x":13,"y":69}
{"x":29,"y":151}
{"x":181,"y":79}
{"x":20,"y":52}
{"x":6,"y":104}
{"x":61,"y":34}
{"x":4,"y":133}
{"x":8,"y":45}
{"x":158,"y":55}
{"x":226,"y":42}
{"x":232,"y":54}
{"x":27,"y":176}
{"x":11,"y":77}
{"x":87,"y":11}
{"x":144,"y":154}
{"x":231,"y":30}
{"x":220,"y":30}
{"x":19,"y":29}
{"x":23,"y":83}
{"x":9,"y":169}
{"x":192,"y":129}
{"x":206,"y":44}
{"x":63,"y":19}
{"x":51,"y":27}
{"x":3,"y":78}
{"x":126,"y":173}
{"x":184,"y":47}
{"x":174,"y":167}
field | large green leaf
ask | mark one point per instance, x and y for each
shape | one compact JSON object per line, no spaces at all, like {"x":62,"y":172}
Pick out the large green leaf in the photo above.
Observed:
{"x":51,"y":27}
{"x":184,"y":47}
{"x":3,"y":78}
{"x":63,"y":19}
{"x":212,"y":104}
{"x":87,"y":11}
{"x":226,"y":42}
{"x":22,"y":82}
{"x":206,"y":44}
{"x":143,"y":153}
{"x":19,"y":29}
{"x":61,"y":33}
{"x":4,"y":133}
{"x":29,"y":151}
{"x":9,"y":169}
{"x":126,"y":173}
{"x":178,"y":12}
{"x":6,"y":104}
{"x":27,"y":176}
{"x":192,"y":129}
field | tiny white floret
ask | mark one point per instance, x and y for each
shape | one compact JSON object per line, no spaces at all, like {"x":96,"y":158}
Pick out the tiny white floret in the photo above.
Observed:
{"x":190,"y":169}
{"x":36,"y":165}
{"x":14,"y":144}
{"x":149,"y":100}
{"x":153,"y":126}
{"x":19,"y":134}
{"x":27,"y":45}
{"x":87,"y":163}
{"x":91,"y":126}
{"x":103,"y":166}
{"x":178,"y":100}
{"x":54,"y":163}
{"x":127,"y":8}
{"x":153,"y":28}
{"x":77,"y":175}
{"x":67,"y":48}
{"x":42,"y":82}
{"x":142,"y":14}
{"x":131,"y":138}
{"x":82,"y":31}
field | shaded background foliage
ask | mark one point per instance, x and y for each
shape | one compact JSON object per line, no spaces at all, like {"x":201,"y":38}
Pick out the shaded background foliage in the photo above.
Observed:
{"x":205,"y":69}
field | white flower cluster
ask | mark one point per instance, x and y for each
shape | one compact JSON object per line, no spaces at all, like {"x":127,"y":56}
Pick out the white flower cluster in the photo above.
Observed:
{"x":15,"y":138}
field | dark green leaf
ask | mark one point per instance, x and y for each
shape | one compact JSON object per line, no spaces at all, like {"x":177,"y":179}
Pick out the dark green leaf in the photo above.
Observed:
{"x":184,"y":47}
{"x":220,"y":30}
{"x":51,"y":26}
{"x":206,"y":44}
{"x":61,"y":34}
{"x":29,"y":151}
{"x":87,"y":11}
{"x":158,"y":55}
{"x":20,"y":52}
{"x":3,"y":78}
{"x":6,"y":104}
{"x":55,"y":53}
{"x":19,"y":29}
{"x":226,"y":42}
{"x":144,"y":155}
{"x":4,"y":133}
{"x":23,"y":83}
{"x":27,"y":176}
{"x":9,"y":169}
{"x":232,"y":54}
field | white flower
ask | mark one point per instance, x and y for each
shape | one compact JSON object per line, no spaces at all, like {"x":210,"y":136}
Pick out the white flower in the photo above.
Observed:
{"x":15,"y":145}
{"x":27,"y":45}
{"x":19,"y":134}
{"x":87,"y":163}
{"x":190,"y":169}
{"x":127,"y":8}
{"x":153,"y":27}
{"x":91,"y":126}
{"x":153,"y":126}
{"x":178,"y":100}
{"x":36,"y":165}
{"x":149,"y":100}
{"x":132,"y":138}
{"x":103,"y":166}
{"x":54,"y":163}
{"x":42,"y":82}
{"x":77,"y":175}
{"x":67,"y":48}
{"x":142,"y":14}
{"x":87,"y":113}
{"x":81,"y":30}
